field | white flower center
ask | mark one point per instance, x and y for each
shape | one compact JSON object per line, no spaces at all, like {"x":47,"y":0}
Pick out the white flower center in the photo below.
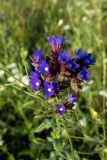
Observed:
{"x":49,"y":90}
{"x":61,"y":109}
{"x":46,"y":68}
{"x":37,"y":83}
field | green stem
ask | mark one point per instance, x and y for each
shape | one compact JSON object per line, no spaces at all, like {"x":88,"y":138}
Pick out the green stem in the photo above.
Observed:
{"x":70,"y":141}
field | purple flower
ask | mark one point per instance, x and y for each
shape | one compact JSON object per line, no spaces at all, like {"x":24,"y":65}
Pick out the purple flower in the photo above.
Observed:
{"x":57,"y":72}
{"x":73,"y":65}
{"x":63,"y":57}
{"x":56,"y":86}
{"x":83,"y":75}
{"x":55,"y":40}
{"x":48,"y":89}
{"x":80,"y":54}
{"x":70,"y":102}
{"x":72,"y":98}
{"x":88,"y":60}
{"x":38,"y":55}
{"x":60,"y":109}
{"x":35,"y":82}
{"x":43,"y":68}
{"x":56,"y":44}
{"x":86,"y":57}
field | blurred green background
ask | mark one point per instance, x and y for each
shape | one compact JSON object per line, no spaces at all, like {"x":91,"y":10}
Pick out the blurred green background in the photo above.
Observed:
{"x":29,"y":130}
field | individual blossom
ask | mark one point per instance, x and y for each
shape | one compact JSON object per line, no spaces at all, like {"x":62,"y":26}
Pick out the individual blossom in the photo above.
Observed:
{"x":38,"y":55}
{"x":56,"y":44}
{"x":70,"y":102}
{"x":83,"y":75}
{"x":56,"y":85}
{"x":63,"y":57}
{"x":60,"y":109}
{"x":88,"y":60}
{"x":43,"y":68}
{"x":72,"y":98}
{"x":79,"y":53}
{"x":85,"y":56}
{"x":48,"y":89}
{"x":35,"y":81}
{"x":55,"y":40}
{"x":37,"y":58}
{"x":72,"y":63}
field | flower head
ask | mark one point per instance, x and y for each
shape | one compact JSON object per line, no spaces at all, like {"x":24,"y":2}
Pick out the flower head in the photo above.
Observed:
{"x":60,"y":109}
{"x":83,"y":75}
{"x":38,"y":55}
{"x":57,"y":74}
{"x":35,"y":82}
{"x":43,"y":68}
{"x":48,"y":89}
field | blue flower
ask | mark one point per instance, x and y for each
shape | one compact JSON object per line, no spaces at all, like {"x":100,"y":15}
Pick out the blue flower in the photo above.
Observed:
{"x":88,"y":60}
{"x":73,"y":65}
{"x":72,"y":98}
{"x":60,"y":109}
{"x":35,"y":82}
{"x":55,"y":40}
{"x":56,"y":86}
{"x":83,"y":75}
{"x":86,"y":57}
{"x":80,"y":54}
{"x":63,"y":57}
{"x":48,"y":89}
{"x":43,"y":68}
{"x":70,"y":102}
{"x":38,"y":55}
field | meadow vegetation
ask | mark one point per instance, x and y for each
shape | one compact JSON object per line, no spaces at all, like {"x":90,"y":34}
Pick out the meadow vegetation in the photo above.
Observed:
{"x":29,"y":129}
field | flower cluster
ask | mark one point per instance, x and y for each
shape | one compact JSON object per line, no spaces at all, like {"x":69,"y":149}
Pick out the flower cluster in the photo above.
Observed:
{"x":58,"y":72}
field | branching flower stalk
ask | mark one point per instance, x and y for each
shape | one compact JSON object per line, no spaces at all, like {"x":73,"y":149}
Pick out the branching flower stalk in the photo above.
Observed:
{"x":58,"y":72}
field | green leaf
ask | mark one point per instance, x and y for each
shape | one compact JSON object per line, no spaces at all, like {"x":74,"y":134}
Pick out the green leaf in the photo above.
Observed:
{"x":44,"y":125}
